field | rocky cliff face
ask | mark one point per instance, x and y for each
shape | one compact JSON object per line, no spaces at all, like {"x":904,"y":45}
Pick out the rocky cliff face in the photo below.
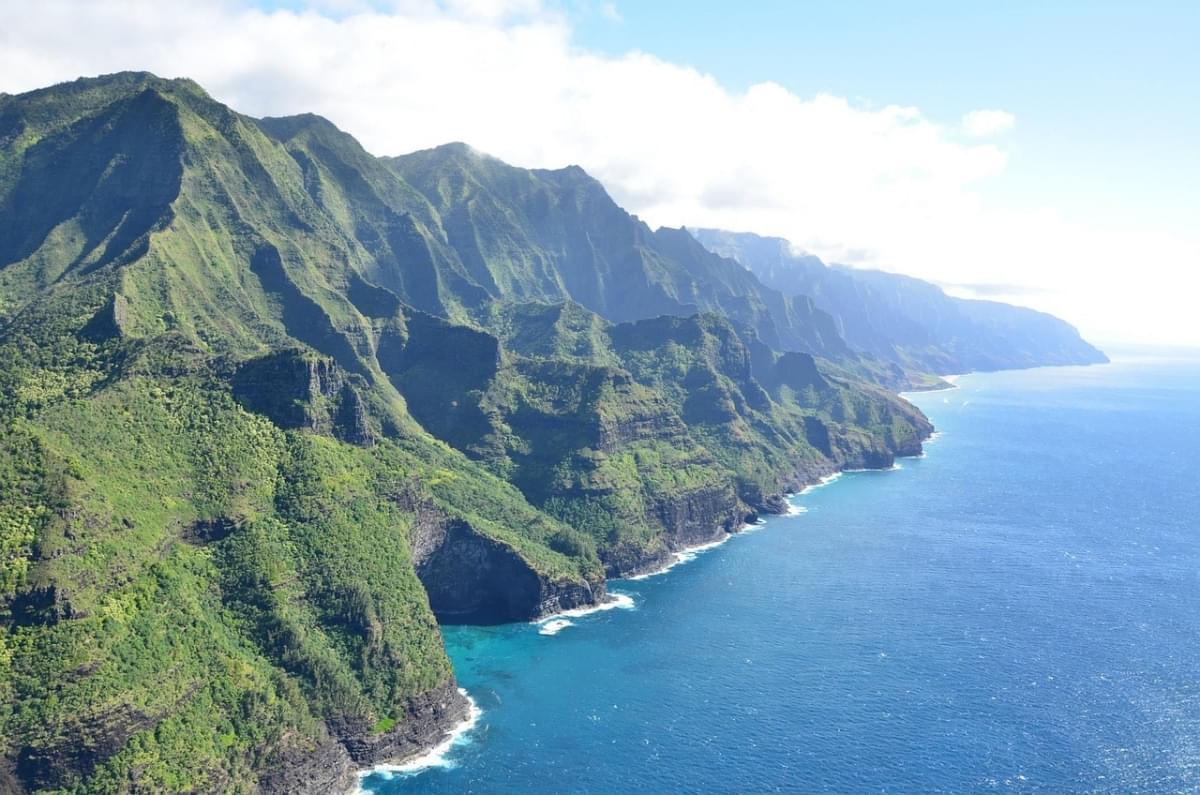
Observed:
{"x":296,"y":389}
{"x":700,"y":516}
{"x":907,"y":321}
{"x":473,"y":579}
{"x":331,"y":766}
{"x":213,"y":382}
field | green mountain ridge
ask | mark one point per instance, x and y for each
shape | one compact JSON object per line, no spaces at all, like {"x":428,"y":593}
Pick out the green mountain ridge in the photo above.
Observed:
{"x":906,"y":321}
{"x":272,"y":408}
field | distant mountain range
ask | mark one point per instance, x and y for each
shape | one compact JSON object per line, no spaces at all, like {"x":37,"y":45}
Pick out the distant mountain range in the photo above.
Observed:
{"x":272,"y":407}
{"x":904,"y":320}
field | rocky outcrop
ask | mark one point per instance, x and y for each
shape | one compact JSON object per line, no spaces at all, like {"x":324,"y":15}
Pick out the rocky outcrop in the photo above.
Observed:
{"x":43,"y":605}
{"x":331,"y":766}
{"x":699,"y":516}
{"x":298,"y":389}
{"x":797,"y":371}
{"x":297,"y":766}
{"x":425,"y":720}
{"x":308,"y":770}
{"x":93,"y":740}
{"x":627,"y":560}
{"x":110,"y":322}
{"x":474,"y":579}
{"x":653,"y":420}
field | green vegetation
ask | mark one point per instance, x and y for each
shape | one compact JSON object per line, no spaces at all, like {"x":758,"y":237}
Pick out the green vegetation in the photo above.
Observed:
{"x":248,"y":374}
{"x":911,"y":324}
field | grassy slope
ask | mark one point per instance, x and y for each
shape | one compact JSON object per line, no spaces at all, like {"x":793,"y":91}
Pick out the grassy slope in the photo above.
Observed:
{"x":604,"y":425}
{"x":190,"y":592}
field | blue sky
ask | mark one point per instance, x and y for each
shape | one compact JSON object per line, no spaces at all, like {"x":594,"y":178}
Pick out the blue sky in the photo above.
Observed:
{"x":1107,"y":94}
{"x":1050,"y":147}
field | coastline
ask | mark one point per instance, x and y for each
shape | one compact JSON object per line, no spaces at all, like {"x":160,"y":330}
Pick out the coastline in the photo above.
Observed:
{"x":434,"y":756}
{"x":555,"y":622}
{"x":689,"y":553}
{"x":951,"y":382}
{"x":552,"y":623}
{"x":685,"y":554}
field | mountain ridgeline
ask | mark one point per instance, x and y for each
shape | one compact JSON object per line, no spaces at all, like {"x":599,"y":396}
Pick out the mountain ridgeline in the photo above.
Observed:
{"x":271,"y":408}
{"x":906,"y":321}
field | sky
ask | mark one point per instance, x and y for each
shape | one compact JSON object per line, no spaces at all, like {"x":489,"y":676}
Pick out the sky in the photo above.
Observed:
{"x":1046,"y":154}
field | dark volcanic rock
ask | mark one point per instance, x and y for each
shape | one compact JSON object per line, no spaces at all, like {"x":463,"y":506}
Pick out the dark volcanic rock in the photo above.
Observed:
{"x":296,"y":389}
{"x":473,"y":579}
{"x":111,"y":321}
{"x":92,"y":741}
{"x":307,"y":770}
{"x":427,"y":717}
{"x":700,"y":516}
{"x":331,"y":766}
{"x":41,"y":606}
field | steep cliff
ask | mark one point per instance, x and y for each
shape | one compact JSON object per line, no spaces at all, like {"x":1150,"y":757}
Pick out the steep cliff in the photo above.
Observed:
{"x":905,"y":320}
{"x":271,"y":407}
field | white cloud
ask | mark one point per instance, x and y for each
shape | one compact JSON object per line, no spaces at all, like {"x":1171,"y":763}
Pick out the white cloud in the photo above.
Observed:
{"x":884,"y":186}
{"x":986,"y":123}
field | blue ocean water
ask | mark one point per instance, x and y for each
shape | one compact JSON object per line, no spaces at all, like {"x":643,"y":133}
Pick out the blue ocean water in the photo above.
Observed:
{"x":1019,"y":610}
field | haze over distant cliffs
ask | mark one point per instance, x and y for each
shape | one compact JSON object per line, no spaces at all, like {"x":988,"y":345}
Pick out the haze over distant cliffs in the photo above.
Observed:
{"x":906,"y":320}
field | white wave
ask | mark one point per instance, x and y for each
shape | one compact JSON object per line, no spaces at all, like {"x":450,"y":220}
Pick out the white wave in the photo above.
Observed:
{"x":683,"y":556}
{"x":554,"y":626}
{"x":895,"y":466}
{"x":794,"y":509}
{"x":438,"y":756}
{"x":614,"y":601}
{"x":825,"y":481}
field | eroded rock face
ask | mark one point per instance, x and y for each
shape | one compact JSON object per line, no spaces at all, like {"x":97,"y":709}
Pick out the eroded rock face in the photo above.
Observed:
{"x":425,"y":719}
{"x":332,"y":765}
{"x":295,"y":389}
{"x":473,"y":579}
{"x":655,"y":421}
{"x":306,"y":770}
{"x":111,"y":321}
{"x":700,"y":516}
{"x":94,"y":740}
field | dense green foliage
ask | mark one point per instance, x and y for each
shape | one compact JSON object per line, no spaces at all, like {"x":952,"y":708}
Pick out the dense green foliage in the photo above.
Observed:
{"x":247,"y":371}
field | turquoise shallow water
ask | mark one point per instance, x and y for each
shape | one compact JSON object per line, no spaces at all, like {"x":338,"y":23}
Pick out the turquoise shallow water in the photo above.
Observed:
{"x":1019,"y":610}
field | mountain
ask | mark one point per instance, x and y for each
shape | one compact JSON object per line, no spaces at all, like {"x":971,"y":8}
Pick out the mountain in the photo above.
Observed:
{"x":272,"y":408}
{"x":905,"y":320}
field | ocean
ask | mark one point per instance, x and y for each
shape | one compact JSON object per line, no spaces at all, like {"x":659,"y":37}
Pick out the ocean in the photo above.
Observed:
{"x":1018,"y":610}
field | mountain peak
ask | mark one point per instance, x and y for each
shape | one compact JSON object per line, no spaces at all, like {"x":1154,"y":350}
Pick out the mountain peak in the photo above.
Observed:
{"x":287,"y":127}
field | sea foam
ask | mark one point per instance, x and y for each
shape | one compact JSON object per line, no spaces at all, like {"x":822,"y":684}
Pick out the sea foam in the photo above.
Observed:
{"x":554,"y":626}
{"x":438,"y":756}
{"x":825,"y":481}
{"x":686,"y":555}
{"x":615,"y":601}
